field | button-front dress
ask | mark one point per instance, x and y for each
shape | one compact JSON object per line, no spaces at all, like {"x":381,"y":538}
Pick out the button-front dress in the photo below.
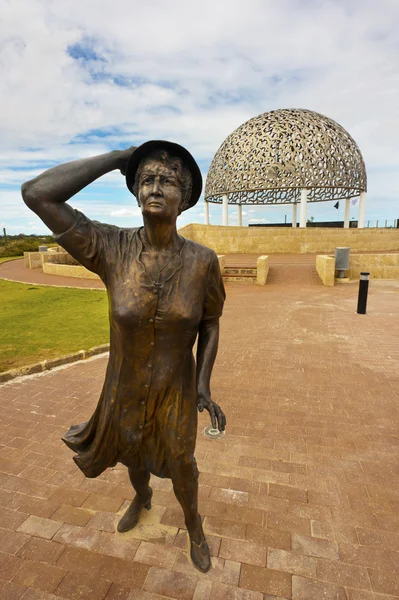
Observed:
{"x":146,"y":417}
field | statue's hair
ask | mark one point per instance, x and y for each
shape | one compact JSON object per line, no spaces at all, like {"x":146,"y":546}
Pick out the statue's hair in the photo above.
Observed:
{"x":174,"y":164}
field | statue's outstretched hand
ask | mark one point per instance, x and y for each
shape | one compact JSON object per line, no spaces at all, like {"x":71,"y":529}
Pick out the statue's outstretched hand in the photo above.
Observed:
{"x":218,"y":418}
{"x":124,"y":157}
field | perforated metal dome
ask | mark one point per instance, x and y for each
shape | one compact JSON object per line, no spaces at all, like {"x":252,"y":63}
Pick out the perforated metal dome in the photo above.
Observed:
{"x":270,"y":158}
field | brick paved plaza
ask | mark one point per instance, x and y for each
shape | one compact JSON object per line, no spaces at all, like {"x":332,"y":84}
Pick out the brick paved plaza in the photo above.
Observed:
{"x":300,"y":498}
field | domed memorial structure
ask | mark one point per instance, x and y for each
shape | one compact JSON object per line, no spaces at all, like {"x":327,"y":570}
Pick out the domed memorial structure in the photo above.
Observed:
{"x":287,"y":156}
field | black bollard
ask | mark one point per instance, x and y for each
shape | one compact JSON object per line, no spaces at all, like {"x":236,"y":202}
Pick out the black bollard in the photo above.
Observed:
{"x":363,"y":291}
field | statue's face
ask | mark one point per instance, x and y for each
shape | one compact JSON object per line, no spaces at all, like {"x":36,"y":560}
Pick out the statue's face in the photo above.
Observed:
{"x":159,"y":191}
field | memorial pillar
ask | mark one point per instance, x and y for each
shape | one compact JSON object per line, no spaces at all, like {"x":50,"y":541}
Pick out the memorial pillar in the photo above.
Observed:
{"x":347,"y":213}
{"x":240,"y":215}
{"x":206,"y":212}
{"x":304,"y":199}
{"x":362,"y":208}
{"x":294,"y":215}
{"x":225,"y":210}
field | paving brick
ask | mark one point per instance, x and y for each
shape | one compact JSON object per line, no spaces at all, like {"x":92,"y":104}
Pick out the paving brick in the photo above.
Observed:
{"x":324,"y":530}
{"x":81,"y":586}
{"x":317,"y":547}
{"x":32,"y":594}
{"x":243,"y":551}
{"x":381,"y":539}
{"x":268,"y":503}
{"x":80,"y":560}
{"x":103,"y":521}
{"x":124,"y":572}
{"x":70,"y":497}
{"x":72,"y":514}
{"x":226,"y":529}
{"x":384,"y":581}
{"x":231,"y":572}
{"x":362,"y":595}
{"x":291,"y":562}
{"x":219,"y":591}
{"x":39,"y":507}
{"x":11,"y":591}
{"x":229,"y":496}
{"x":288,"y":493}
{"x":143,"y":595}
{"x":286,"y":522}
{"x":343,"y":574}
{"x":12,"y":519}
{"x":11,"y":541}
{"x":266,"y":581}
{"x":39,"y":575}
{"x":40,"y":527}
{"x":40,"y":549}
{"x":118,"y":592}
{"x":171,"y":584}
{"x":102,"y":503}
{"x":156,"y":555}
{"x":202,"y":590}
{"x":311,"y":589}
{"x":9,"y":566}
{"x":269,"y":537}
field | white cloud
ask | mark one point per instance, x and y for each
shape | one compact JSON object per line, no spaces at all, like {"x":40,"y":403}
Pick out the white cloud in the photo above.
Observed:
{"x":190,"y":72}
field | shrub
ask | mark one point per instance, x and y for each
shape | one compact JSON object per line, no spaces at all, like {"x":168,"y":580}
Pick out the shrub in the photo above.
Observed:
{"x":17,"y":246}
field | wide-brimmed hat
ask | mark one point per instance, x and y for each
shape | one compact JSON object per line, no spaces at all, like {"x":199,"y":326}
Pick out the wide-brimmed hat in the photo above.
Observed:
{"x":174,"y":150}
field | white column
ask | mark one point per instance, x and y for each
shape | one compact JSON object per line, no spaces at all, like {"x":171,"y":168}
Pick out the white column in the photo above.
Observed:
{"x":304,"y":199}
{"x":206,"y":212}
{"x":347,"y":213}
{"x":225,"y":210}
{"x":239,"y":215}
{"x":362,"y":207}
{"x":294,"y":215}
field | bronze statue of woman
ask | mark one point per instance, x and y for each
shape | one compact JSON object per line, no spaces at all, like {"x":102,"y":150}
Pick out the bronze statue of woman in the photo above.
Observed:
{"x":163,"y":291}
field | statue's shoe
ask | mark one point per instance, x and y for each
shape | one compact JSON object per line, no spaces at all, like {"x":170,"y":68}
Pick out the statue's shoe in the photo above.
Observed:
{"x":131,"y":516}
{"x":200,"y":556}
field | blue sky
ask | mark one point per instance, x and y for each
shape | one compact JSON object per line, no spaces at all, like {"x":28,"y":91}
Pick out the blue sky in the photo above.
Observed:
{"x":78,"y":82}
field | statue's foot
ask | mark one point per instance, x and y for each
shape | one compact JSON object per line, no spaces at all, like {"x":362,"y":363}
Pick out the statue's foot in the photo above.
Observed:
{"x":131,"y":516}
{"x":200,"y":555}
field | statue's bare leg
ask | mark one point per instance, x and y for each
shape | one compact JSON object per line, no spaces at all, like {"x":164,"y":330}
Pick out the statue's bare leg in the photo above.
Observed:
{"x":142,"y":499}
{"x":185,"y":486}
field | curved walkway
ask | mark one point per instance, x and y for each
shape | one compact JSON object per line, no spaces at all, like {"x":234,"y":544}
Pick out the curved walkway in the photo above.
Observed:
{"x":300,"y":498}
{"x":284,"y":269}
{"x":15,"y":270}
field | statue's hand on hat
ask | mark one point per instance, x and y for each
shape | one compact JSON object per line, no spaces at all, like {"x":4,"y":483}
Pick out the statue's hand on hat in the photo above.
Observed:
{"x":124,"y":156}
{"x":218,"y":418}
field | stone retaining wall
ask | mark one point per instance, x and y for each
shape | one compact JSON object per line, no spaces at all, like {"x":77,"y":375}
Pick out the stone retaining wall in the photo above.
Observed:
{"x":325,"y":267}
{"x":380,"y":266}
{"x":262,"y":269}
{"x":68,"y":271}
{"x":272,"y":240}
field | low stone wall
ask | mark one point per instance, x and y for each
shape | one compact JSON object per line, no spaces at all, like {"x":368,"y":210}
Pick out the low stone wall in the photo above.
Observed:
{"x":271,"y":240}
{"x":68,"y":271}
{"x":33,"y":260}
{"x":222,"y":262}
{"x":262,"y":269}
{"x":62,"y":258}
{"x":325,"y":267}
{"x":380,"y":266}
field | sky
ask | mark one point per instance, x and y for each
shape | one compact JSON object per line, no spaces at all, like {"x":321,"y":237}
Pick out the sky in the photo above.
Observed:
{"x":83,"y":78}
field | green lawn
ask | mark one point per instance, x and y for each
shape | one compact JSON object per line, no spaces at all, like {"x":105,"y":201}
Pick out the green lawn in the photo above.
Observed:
{"x":5,"y":258}
{"x":38,"y":323}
